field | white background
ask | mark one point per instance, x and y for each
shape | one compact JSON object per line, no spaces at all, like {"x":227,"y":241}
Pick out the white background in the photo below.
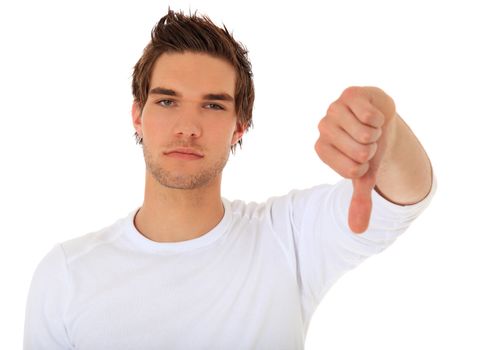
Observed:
{"x":69,"y":163}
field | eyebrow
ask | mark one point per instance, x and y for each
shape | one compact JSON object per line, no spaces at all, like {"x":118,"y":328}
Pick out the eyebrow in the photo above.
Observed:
{"x":219,"y":96}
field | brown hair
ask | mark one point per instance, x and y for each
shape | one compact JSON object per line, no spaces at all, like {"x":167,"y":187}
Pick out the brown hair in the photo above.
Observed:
{"x":176,"y":32}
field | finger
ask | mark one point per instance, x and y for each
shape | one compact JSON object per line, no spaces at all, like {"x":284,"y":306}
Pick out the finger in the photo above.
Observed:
{"x":360,"y":207}
{"x":339,"y":162}
{"x":366,"y":112}
{"x":360,"y":132}
{"x":358,"y":152}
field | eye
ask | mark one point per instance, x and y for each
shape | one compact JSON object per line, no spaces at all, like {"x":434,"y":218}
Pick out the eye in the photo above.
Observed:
{"x":214,"y":106}
{"x":166,"y":103}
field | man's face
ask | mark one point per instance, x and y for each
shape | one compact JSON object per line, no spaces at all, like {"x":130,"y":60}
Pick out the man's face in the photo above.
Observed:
{"x":190,"y":108}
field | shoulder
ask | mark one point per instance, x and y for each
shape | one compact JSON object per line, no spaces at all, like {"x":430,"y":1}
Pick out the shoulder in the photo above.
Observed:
{"x":89,"y":243}
{"x":293,"y":200}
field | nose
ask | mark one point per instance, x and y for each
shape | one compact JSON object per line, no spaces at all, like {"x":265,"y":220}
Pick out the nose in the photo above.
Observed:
{"x":187,"y":124}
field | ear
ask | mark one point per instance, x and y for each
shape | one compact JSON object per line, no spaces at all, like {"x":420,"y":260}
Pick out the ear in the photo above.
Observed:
{"x":238,"y":133}
{"x":137,"y":117}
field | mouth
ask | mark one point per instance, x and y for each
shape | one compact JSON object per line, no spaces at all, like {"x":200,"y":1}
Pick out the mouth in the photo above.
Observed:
{"x":184,"y":153}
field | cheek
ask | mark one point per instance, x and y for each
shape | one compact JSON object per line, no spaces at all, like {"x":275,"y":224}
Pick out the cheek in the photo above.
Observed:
{"x":153,"y":127}
{"x":224,"y":134}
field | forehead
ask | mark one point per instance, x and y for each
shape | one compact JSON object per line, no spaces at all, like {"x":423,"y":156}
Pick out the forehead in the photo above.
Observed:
{"x":193,"y":73}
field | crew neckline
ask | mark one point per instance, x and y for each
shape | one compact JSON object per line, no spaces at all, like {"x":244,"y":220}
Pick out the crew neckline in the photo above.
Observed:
{"x":138,"y":240}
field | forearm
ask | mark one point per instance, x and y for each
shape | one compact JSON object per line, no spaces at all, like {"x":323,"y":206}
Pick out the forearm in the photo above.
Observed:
{"x":405,"y":174}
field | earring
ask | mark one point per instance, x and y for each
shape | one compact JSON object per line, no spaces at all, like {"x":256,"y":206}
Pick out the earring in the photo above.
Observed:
{"x":138,"y":139}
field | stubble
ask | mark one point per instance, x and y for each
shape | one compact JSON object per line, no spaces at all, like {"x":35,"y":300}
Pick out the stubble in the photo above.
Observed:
{"x":178,"y":180}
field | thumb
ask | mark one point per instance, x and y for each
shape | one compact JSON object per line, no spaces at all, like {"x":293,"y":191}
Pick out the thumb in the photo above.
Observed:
{"x":360,"y":207}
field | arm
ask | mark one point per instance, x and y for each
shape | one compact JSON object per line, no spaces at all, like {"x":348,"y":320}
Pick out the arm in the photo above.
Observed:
{"x":405,"y":174}
{"x":44,"y":327}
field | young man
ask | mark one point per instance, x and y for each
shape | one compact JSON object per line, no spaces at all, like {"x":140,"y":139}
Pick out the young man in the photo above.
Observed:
{"x":192,"y":270}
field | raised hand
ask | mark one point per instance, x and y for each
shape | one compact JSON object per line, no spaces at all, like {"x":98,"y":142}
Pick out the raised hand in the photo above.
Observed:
{"x":354,"y":136}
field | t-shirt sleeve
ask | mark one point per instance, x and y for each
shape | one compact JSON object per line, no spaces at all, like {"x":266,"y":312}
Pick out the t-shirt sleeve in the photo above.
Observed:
{"x":312,"y":227}
{"x":44,"y":325}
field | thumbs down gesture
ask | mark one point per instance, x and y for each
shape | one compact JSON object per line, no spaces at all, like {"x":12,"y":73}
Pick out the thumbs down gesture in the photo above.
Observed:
{"x":355,"y":135}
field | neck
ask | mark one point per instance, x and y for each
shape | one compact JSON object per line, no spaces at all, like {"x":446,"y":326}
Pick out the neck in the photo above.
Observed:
{"x":174,"y":215}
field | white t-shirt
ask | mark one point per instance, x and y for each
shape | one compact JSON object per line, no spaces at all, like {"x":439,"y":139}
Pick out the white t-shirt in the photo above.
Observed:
{"x":252,"y":282}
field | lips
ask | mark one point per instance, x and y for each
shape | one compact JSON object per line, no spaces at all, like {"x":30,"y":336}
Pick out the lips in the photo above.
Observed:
{"x":185,"y":153}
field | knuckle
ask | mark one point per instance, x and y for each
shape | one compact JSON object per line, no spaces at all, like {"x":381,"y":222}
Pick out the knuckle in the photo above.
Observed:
{"x":366,"y":137}
{"x":323,"y":152}
{"x":333,"y":108}
{"x":363,"y":156}
{"x":350,"y":92}
{"x":375,"y":135}
{"x":364,"y":169}
{"x":354,"y":171}
{"x":359,"y":170}
{"x":322,"y":124}
{"x":363,"y":153}
{"x":323,"y":130}
{"x":344,"y":173}
{"x":379,"y":120}
{"x":369,"y":118}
